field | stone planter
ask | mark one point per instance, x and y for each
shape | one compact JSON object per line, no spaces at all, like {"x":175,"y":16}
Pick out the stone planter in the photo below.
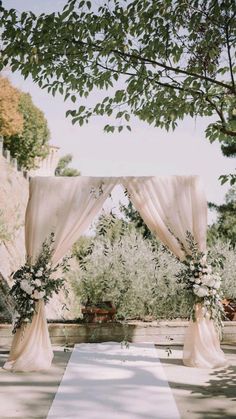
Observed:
{"x":230,"y":309}
{"x":99,"y":314}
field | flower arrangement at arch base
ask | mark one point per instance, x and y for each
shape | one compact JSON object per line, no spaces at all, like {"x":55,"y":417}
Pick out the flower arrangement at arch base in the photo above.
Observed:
{"x":203,"y":282}
{"x":34,"y":282}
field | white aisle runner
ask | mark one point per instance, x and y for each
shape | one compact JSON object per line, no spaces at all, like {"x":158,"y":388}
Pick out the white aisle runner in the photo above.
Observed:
{"x":110,"y":381}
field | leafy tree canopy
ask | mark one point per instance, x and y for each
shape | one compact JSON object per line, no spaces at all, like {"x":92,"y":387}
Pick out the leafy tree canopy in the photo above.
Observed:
{"x":161,"y":60}
{"x":62,"y":168}
{"x":11,"y":120}
{"x":32,"y":142}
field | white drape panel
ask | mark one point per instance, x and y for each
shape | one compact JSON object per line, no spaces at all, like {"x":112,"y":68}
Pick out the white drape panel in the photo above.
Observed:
{"x":202,"y":344}
{"x":65,"y":206}
{"x":177,"y":204}
{"x":171,"y":204}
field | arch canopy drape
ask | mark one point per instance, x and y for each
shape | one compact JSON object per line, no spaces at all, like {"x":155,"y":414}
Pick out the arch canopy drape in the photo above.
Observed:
{"x":169,"y":205}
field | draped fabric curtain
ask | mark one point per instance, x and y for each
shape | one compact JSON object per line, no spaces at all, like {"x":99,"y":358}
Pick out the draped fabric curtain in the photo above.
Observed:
{"x":171,"y":206}
{"x":65,"y":206}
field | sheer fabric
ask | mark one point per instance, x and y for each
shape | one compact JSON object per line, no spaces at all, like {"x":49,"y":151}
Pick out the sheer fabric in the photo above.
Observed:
{"x":202,"y":344}
{"x":66,"y":207}
{"x":170,"y":206}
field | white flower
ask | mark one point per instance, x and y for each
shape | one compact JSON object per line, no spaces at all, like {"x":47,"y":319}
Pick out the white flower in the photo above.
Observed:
{"x":200,"y":291}
{"x":208,"y":280}
{"x":197,"y":281}
{"x":37,"y":295}
{"x":192,"y":279}
{"x":26,"y":287}
{"x":38,"y":283}
{"x":203,"y":261}
{"x":217,"y":284}
{"x":209,"y":270}
{"x":39,"y":273}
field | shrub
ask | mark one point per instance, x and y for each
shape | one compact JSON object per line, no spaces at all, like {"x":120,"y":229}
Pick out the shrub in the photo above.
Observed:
{"x":228,"y":271}
{"x":138,"y":280}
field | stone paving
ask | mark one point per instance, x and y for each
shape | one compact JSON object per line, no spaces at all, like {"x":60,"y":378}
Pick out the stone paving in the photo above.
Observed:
{"x":199,"y":393}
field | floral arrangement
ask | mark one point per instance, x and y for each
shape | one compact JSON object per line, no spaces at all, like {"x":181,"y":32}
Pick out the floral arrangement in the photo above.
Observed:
{"x":33,"y":282}
{"x":202,"y":281}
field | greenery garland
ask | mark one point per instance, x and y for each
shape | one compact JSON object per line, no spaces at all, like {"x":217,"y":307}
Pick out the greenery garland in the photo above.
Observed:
{"x":35,"y":282}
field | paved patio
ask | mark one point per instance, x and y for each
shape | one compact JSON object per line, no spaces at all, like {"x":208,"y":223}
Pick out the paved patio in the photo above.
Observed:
{"x":199,"y":393}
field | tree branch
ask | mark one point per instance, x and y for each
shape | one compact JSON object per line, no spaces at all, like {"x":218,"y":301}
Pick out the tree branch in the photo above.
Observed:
{"x":229,"y":56}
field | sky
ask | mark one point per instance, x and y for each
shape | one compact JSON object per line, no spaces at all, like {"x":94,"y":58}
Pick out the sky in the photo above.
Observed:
{"x":144,"y":151}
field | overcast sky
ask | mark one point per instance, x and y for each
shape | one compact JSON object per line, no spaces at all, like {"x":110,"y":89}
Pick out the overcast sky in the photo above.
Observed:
{"x":144,"y":151}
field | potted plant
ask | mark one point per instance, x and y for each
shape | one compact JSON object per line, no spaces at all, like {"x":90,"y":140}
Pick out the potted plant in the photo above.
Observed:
{"x":229,"y":308}
{"x":94,"y":293}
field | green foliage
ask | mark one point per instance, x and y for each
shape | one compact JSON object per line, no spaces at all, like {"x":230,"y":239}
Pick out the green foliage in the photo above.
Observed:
{"x":140,"y":279}
{"x":111,"y":227}
{"x":33,"y":141}
{"x":62,"y":168}
{"x":4,"y":232}
{"x":133,"y":216}
{"x":223,"y":250}
{"x":6,"y":304}
{"x":127,"y":272}
{"x":162,"y":61}
{"x":225,"y":225}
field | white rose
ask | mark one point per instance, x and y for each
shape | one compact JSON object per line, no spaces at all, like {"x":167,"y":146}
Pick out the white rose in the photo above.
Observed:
{"x":39,"y":273}
{"x":197,"y":281}
{"x":26,"y":287}
{"x":201,"y":291}
{"x":208,"y":280}
{"x":38,"y":283}
{"x":217,"y":285}
{"x":192,"y":279}
{"x":24,"y":283}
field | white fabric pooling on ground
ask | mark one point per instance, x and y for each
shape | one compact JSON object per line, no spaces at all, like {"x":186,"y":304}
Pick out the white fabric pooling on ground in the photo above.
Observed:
{"x":111,"y":381}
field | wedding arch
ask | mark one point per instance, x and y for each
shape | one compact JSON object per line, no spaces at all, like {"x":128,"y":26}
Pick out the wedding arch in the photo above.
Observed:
{"x":169,"y":205}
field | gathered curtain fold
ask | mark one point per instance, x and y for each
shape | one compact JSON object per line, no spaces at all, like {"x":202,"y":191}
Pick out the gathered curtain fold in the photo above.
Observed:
{"x":65,"y":207}
{"x":171,"y":206}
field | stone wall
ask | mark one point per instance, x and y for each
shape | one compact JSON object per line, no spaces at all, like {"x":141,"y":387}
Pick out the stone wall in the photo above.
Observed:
{"x":160,"y":333}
